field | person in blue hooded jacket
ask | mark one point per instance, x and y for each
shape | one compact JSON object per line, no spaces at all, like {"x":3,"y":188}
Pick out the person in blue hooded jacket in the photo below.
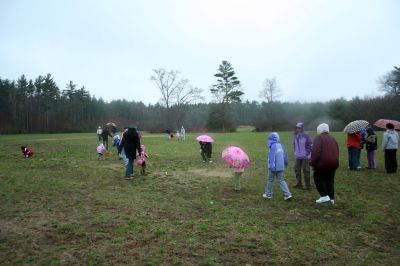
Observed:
{"x":277,"y":161}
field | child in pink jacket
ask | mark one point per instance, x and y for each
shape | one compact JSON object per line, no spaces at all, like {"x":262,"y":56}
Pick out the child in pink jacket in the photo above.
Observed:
{"x":142,"y":159}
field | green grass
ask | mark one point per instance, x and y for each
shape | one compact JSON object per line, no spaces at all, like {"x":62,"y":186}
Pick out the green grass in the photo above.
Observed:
{"x":63,"y":206}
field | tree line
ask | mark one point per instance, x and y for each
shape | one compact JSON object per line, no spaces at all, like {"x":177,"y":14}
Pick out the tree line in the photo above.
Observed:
{"x":40,"y":106}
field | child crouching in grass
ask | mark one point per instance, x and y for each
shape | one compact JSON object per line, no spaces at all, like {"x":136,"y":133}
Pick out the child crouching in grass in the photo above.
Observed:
{"x":26,"y":151}
{"x":277,"y":161}
{"x":101,"y":151}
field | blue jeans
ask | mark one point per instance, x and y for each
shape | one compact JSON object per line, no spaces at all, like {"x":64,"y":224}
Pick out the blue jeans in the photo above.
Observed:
{"x":270,"y":184}
{"x":129,"y":167}
{"x":353,"y":158}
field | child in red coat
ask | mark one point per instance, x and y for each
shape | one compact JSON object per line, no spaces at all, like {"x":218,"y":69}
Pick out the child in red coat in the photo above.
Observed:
{"x":26,"y":151}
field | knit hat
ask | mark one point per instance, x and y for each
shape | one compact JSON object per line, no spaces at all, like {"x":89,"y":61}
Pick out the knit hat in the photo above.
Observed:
{"x":322,"y":128}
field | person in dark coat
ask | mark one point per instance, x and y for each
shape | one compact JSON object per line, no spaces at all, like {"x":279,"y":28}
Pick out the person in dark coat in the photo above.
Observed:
{"x":131,"y":144}
{"x":206,"y":151}
{"x":371,"y":145}
{"x":325,"y":161}
{"x":104,"y":135}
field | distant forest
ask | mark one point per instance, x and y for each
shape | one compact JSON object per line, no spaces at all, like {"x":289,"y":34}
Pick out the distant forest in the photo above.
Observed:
{"x":39,"y":106}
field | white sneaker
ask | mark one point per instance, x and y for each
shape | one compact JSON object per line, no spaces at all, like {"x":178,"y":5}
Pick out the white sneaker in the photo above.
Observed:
{"x":266,"y":197}
{"x":332,"y":201}
{"x":288,"y":197}
{"x":323,"y":199}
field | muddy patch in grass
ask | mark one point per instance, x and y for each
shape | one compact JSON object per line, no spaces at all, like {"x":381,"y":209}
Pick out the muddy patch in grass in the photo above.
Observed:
{"x":211,"y":173}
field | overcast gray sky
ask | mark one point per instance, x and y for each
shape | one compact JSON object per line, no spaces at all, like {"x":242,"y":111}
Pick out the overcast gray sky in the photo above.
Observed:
{"x":317,"y":50}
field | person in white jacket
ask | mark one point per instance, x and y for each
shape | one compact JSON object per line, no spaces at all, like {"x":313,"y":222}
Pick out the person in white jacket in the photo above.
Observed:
{"x":390,"y":144}
{"x":183,"y":133}
{"x":99,"y":130}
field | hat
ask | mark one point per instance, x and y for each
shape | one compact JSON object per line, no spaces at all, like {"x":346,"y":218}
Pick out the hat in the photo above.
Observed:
{"x":322,"y":128}
{"x":300,"y":125}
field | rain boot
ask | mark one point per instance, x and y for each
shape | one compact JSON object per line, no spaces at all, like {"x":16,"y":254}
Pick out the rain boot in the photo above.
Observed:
{"x":237,"y":181}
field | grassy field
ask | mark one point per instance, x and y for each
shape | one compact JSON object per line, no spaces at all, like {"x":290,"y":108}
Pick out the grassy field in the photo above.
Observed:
{"x":63,"y":206}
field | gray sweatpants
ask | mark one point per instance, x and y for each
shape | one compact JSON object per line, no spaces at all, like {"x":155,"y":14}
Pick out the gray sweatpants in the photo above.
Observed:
{"x":302,"y":164}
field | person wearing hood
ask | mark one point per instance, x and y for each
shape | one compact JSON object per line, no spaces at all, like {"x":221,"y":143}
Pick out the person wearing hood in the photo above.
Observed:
{"x":390,"y":144}
{"x":130,"y":142}
{"x":302,"y":144}
{"x":371,"y":145}
{"x":277,"y":161}
{"x":325,"y":161}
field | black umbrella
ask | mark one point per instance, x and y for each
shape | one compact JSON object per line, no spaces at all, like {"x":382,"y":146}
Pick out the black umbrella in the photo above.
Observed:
{"x":356,"y":126}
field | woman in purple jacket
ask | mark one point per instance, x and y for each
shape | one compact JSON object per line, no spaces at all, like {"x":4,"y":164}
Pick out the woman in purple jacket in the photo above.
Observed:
{"x":302,"y":144}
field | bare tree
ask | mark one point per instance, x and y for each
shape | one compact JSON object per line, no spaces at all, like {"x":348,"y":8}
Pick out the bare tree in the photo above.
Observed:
{"x":270,"y":90}
{"x":390,"y":83}
{"x":175,"y":90}
{"x":188,"y":94}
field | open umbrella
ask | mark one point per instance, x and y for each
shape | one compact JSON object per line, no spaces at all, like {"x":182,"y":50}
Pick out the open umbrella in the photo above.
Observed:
{"x":111,"y":124}
{"x":356,"y":126}
{"x":235,"y":157}
{"x":205,"y":138}
{"x":381,"y":123}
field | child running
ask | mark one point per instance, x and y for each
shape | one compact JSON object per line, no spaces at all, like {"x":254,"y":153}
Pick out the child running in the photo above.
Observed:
{"x":142,"y":159}
{"x":277,"y":161}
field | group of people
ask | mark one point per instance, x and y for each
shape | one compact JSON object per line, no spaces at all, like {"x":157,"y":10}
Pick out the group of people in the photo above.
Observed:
{"x":128,"y":148}
{"x":356,"y":142}
{"x":180,"y":134}
{"x":322,"y":155}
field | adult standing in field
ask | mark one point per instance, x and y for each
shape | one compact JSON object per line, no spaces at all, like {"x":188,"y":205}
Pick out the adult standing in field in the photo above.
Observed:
{"x":131,"y":144}
{"x":105,"y":133}
{"x":183,"y":133}
{"x":325,"y":161}
{"x":302,"y":144}
{"x":354,"y":149}
{"x":167,"y":134}
{"x":390,"y":144}
{"x":99,"y":130}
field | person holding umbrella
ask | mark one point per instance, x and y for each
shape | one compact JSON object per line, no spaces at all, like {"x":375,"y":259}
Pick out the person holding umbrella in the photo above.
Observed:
{"x":237,"y":159}
{"x":390,"y":144}
{"x":130,"y":142}
{"x":205,"y":147}
{"x":354,"y":139}
{"x":325,"y":161}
